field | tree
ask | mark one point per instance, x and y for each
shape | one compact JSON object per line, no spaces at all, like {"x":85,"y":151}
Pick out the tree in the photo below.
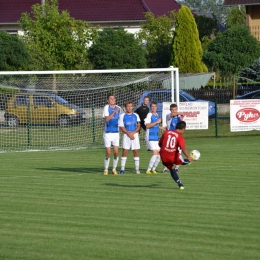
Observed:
{"x":206,"y":26}
{"x":157,"y":35}
{"x":251,"y":72}
{"x":231,"y":51}
{"x":55,"y":40}
{"x":13,"y":53}
{"x":187,"y":50}
{"x":116,"y":49}
{"x":236,"y":16}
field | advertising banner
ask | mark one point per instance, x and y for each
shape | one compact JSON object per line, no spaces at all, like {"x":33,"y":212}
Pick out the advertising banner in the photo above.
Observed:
{"x":244,"y":115}
{"x":195,"y":114}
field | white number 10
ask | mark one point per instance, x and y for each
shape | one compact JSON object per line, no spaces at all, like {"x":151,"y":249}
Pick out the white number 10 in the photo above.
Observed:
{"x":171,"y":142}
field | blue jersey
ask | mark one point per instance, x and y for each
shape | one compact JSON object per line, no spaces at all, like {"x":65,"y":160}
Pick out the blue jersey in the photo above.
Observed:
{"x":172,"y":121}
{"x":112,"y":125}
{"x":152,"y":134}
{"x":129,"y":122}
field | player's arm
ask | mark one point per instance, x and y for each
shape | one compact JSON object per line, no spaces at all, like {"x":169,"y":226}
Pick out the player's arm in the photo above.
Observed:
{"x":109,"y":117}
{"x":122,"y":128}
{"x":138,"y":126}
{"x":153,"y":124}
{"x":187,"y":154}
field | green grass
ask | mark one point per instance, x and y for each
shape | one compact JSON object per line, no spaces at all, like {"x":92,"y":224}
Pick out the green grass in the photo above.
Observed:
{"x":58,"y":205}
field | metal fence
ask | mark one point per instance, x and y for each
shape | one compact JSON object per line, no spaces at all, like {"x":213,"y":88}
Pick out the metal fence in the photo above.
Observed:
{"x":222,"y":96}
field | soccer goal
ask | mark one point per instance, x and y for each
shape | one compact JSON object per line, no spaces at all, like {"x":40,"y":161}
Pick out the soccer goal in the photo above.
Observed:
{"x":43,"y":110}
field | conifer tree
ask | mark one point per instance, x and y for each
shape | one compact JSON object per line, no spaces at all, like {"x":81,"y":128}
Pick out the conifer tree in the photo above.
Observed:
{"x":186,"y":48}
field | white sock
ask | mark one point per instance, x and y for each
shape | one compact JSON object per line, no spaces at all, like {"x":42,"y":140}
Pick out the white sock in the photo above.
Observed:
{"x":115,"y":162}
{"x":157,"y":160}
{"x":123,"y":162}
{"x":137,"y":162}
{"x":106,"y":163}
{"x":152,"y":162}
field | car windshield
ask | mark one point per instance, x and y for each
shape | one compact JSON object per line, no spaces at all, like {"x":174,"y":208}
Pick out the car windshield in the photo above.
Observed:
{"x":59,"y":99}
{"x":188,"y":96}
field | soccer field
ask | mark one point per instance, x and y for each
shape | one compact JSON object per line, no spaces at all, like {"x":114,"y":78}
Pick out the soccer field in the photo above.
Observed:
{"x":58,"y":205}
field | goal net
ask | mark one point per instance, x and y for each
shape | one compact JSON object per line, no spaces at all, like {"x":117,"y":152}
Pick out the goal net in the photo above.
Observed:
{"x":42,"y":110}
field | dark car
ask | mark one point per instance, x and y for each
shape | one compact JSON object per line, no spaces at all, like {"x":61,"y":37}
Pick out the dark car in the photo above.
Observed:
{"x":165,"y":95}
{"x":251,"y":95}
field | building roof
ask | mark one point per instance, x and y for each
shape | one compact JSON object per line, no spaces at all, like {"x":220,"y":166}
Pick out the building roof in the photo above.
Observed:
{"x":241,"y":2}
{"x":93,"y":10}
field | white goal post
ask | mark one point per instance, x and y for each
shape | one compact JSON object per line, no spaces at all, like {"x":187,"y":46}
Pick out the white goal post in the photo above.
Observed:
{"x":43,"y":110}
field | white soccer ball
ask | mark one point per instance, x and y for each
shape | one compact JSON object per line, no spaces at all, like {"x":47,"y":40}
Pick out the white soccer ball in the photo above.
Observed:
{"x":195,"y":154}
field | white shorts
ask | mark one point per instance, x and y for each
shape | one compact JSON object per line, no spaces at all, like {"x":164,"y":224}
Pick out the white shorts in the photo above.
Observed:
{"x":153,"y":145}
{"x":111,"y":139}
{"x":131,"y":144}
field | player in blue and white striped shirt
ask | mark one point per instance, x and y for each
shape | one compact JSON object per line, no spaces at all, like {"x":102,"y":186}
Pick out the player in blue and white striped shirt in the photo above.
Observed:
{"x":111,"y":115}
{"x":152,"y":123}
{"x":129,"y":124}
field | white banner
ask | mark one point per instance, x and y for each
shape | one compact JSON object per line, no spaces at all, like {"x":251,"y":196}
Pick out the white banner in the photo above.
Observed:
{"x":244,"y":115}
{"x":195,"y":114}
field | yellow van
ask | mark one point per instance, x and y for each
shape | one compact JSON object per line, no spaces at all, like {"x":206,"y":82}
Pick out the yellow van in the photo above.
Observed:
{"x":41,"y":108}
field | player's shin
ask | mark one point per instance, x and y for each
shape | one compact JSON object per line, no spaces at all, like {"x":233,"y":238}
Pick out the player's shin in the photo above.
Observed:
{"x":137,"y":162}
{"x":106,"y":163}
{"x":176,"y":177}
{"x":115,"y":162}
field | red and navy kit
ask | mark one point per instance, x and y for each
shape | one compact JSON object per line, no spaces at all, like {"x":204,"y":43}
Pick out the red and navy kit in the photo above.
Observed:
{"x":171,"y":143}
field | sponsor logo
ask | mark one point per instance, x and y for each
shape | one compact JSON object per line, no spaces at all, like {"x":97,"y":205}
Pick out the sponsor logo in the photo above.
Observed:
{"x":248,"y":115}
{"x":191,"y":114}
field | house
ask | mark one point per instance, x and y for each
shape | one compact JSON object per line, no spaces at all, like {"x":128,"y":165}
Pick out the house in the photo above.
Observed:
{"x":128,"y":14}
{"x":252,"y":14}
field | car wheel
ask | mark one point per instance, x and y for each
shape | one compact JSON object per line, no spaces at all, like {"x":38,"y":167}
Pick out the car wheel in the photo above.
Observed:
{"x":63,"y":120}
{"x":12,"y":121}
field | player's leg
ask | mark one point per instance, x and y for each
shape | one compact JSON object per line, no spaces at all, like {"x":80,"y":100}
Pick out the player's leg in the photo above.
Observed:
{"x":151,"y":163}
{"x":174,"y":173}
{"x":116,"y":151}
{"x":126,"y":146}
{"x":156,"y":151}
{"x":136,"y":161}
{"x":171,"y":167}
{"x":107,"y":144}
{"x":176,"y":178}
{"x":123,"y":160}
{"x":155,"y":159}
{"x":135,"y":146}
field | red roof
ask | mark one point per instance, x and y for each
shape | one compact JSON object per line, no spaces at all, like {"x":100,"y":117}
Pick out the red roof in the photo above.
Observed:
{"x":241,"y":2}
{"x":93,"y":10}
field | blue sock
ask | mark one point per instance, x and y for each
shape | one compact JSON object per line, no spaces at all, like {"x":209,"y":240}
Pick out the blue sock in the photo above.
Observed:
{"x":176,"y":177}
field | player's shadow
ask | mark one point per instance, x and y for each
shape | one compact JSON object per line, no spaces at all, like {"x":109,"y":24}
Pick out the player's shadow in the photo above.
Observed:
{"x":153,"y":185}
{"x":73,"y":170}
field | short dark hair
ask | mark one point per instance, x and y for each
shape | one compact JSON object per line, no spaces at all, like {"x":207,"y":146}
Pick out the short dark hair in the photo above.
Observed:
{"x":146,"y":97}
{"x":173,"y":105}
{"x":181,"y":125}
{"x":153,"y":103}
{"x":110,"y":95}
{"x":128,"y":102}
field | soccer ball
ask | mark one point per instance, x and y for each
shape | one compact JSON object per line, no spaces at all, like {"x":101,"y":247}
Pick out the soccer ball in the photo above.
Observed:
{"x":195,"y":154}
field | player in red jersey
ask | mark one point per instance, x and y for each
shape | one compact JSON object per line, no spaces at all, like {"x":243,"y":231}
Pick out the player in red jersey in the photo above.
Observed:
{"x":172,"y":144}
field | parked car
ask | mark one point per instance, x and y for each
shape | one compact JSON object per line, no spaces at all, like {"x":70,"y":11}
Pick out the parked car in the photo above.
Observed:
{"x":251,"y":95}
{"x":41,"y":108}
{"x":164,"y":95}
